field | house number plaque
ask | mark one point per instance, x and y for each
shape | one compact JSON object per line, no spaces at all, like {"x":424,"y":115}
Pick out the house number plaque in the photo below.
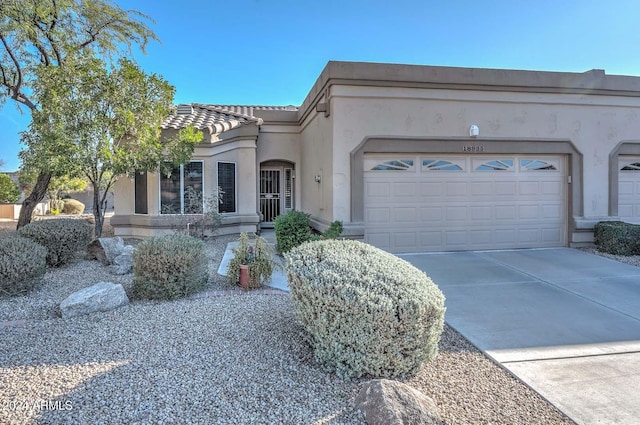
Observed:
{"x":473,"y":148}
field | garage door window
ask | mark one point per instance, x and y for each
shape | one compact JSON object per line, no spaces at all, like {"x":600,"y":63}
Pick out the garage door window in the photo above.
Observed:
{"x":439,"y":165}
{"x":496,"y":165}
{"x":536,"y":165}
{"x":394,"y":165}
{"x":631,"y":167}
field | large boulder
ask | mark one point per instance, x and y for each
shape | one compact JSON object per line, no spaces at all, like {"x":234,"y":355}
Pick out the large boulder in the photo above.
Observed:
{"x":386,"y":402}
{"x":102,"y":296}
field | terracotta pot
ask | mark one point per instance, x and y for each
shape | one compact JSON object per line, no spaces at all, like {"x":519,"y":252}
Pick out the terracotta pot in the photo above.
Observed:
{"x":244,"y":276}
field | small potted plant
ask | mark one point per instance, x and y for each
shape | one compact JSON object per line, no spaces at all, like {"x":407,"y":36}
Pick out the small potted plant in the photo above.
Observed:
{"x":252,"y":264}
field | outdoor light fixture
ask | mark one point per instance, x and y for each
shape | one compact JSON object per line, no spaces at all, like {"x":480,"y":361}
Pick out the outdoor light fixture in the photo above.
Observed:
{"x":317,"y":178}
{"x":474,"y":131}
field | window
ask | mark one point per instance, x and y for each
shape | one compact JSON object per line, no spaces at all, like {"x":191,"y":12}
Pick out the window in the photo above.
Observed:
{"x":288,"y":189}
{"x":496,"y":165}
{"x":182,"y":190}
{"x":439,"y":165}
{"x":536,"y":165}
{"x":227,"y":185}
{"x":395,"y":165}
{"x":631,"y":167}
{"x":140,"y":193}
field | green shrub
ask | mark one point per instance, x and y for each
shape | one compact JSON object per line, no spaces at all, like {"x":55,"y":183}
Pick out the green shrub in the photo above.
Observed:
{"x":62,"y":237}
{"x":72,"y":206}
{"x":169,"y":267}
{"x":292,"y":229}
{"x":617,"y":237}
{"x":22,"y":265}
{"x":334,"y":231}
{"x":367,"y":312}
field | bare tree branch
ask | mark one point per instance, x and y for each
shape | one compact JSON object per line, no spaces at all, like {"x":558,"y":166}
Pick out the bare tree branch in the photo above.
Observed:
{"x":15,"y":88}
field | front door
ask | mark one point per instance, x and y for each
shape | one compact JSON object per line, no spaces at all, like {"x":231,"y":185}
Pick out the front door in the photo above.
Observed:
{"x":270,"y":195}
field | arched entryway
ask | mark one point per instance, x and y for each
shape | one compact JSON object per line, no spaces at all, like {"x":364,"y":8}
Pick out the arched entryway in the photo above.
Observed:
{"x":276,"y":190}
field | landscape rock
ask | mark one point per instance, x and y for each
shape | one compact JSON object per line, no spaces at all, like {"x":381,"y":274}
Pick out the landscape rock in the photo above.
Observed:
{"x":123,"y":263}
{"x":96,"y":252}
{"x":112,"y":247}
{"x":102,"y":296}
{"x":386,"y":402}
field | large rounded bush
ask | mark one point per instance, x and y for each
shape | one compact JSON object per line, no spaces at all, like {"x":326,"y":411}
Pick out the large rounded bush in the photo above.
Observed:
{"x":169,"y":267}
{"x":62,"y":237}
{"x":22,"y":265}
{"x":72,"y":206}
{"x":367,"y":312}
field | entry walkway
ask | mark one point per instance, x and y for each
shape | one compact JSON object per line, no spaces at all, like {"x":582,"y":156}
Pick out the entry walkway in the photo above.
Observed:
{"x":564,"y":321}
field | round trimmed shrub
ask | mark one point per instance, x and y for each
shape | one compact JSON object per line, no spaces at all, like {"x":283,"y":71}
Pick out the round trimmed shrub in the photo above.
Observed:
{"x":367,"y":312}
{"x":617,"y":237}
{"x":22,"y":265}
{"x":169,"y":267}
{"x":63,"y":238}
{"x":72,"y":206}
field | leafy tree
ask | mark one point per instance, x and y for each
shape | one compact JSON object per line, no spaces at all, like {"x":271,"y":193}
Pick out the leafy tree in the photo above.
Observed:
{"x":9,"y":191}
{"x":51,"y":33}
{"x":107,"y":122}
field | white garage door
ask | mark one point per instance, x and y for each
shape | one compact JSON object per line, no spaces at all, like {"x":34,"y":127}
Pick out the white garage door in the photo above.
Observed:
{"x":451,"y":203}
{"x":629,"y":189}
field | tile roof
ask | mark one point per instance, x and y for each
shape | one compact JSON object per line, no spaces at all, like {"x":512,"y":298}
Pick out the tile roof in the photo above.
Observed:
{"x":217,"y":118}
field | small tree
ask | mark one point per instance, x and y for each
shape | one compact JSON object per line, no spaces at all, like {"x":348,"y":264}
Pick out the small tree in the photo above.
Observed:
{"x":50,"y":33}
{"x":9,"y":191}
{"x":107,"y":122}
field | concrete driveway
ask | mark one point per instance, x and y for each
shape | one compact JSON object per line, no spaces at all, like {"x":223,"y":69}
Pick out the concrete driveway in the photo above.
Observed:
{"x":564,"y":321}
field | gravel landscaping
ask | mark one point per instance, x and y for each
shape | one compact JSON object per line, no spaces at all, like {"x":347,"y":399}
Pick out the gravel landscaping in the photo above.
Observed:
{"x":220,"y":357}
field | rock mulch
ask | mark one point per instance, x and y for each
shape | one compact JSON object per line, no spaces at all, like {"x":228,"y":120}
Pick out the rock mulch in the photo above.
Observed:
{"x":214,"y":358}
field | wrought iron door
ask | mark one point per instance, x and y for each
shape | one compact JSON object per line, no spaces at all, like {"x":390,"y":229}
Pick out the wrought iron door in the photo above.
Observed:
{"x":270,"y":195}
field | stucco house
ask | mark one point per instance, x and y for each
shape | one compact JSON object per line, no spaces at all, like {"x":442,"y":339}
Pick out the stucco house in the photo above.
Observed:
{"x":415,"y":158}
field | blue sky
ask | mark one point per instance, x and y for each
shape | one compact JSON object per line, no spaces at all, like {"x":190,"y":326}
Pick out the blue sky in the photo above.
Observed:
{"x":270,"y":52}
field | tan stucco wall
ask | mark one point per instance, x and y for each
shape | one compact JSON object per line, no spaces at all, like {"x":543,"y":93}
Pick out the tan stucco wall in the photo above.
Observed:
{"x":317,"y":160}
{"x":241,"y":151}
{"x":281,"y":143}
{"x":594,"y":124}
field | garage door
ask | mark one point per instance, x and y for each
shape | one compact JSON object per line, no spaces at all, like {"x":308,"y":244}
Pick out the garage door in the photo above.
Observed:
{"x":629,"y":188}
{"x":453,"y":203}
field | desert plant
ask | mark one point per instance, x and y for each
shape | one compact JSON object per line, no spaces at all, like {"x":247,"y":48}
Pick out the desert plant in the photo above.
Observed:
{"x":56,"y":206}
{"x":617,"y":237}
{"x":169,"y":267}
{"x":62,"y":238}
{"x":367,"y":312}
{"x":72,"y":206}
{"x":258,"y":258}
{"x":292,"y":229}
{"x":22,"y":265}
